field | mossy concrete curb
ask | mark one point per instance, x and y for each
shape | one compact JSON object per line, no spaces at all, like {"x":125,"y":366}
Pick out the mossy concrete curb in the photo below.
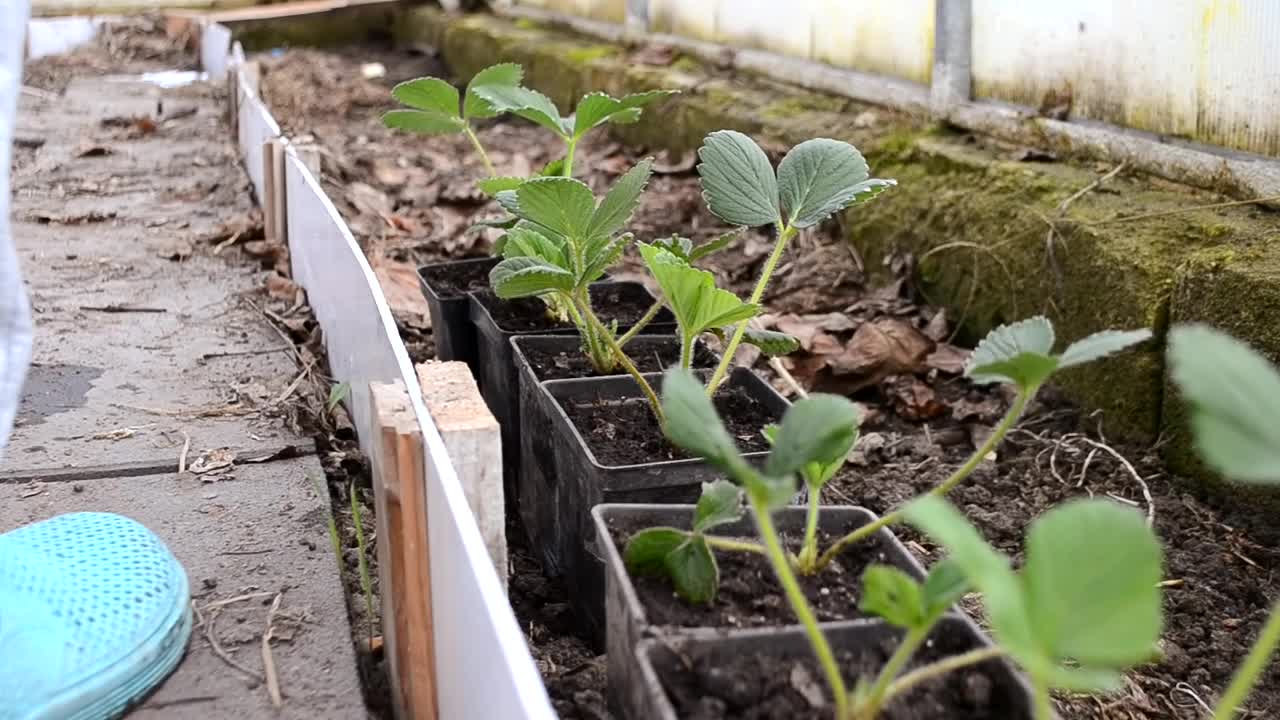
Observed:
{"x":983,"y":220}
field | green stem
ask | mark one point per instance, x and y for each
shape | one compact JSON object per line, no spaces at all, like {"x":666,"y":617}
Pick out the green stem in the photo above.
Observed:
{"x":484,"y":156}
{"x":594,"y":351}
{"x":568,"y":158}
{"x":627,"y":365}
{"x":1006,"y":424}
{"x":648,"y":317}
{"x":784,"y":234}
{"x":795,"y":596}
{"x":686,"y":352}
{"x":1247,"y":674}
{"x":906,"y":649}
{"x":942,"y":667}
{"x":809,"y":550}
{"x":1044,"y":701}
{"x":721,"y":543}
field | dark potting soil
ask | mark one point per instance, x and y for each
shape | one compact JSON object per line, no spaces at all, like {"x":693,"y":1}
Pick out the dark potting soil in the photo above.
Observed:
{"x":648,"y":354}
{"x":749,"y":593}
{"x":575,"y":675}
{"x":761,"y":686}
{"x":626,"y":432}
{"x":452,"y":281}
{"x":624,"y":303}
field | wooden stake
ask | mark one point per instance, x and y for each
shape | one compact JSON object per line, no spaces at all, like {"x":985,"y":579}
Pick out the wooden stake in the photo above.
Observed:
{"x":474,"y":443}
{"x":274,"y":207}
{"x":404,"y":569}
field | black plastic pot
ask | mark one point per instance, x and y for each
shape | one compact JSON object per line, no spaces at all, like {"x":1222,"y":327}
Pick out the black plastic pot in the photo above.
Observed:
{"x":496,"y":371}
{"x":451,"y":327}
{"x":628,"y":624}
{"x":538,"y":473}
{"x":583,"y":482}
{"x":661,"y":661}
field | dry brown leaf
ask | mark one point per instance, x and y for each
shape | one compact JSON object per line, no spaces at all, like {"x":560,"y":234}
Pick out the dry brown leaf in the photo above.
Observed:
{"x":947,"y":358}
{"x":881,"y":348}
{"x":939,"y":327}
{"x":399,"y":282}
{"x":281,"y":288}
{"x":915,"y":400}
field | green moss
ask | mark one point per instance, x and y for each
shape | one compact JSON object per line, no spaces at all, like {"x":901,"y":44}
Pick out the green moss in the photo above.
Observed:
{"x":797,"y":104}
{"x":585,"y":55}
{"x":528,"y":24}
{"x":686,"y":64}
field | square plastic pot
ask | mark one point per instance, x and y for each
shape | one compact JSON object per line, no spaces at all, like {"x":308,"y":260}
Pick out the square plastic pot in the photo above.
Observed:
{"x":628,"y":623}
{"x":497,"y":378}
{"x":538,"y":472}
{"x":583,"y":482}
{"x":451,"y":326}
{"x":660,"y":659}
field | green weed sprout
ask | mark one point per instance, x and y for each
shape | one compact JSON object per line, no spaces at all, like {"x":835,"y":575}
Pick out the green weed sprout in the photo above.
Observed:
{"x":1233,"y":394}
{"x":593,"y":110}
{"x":436,"y":109}
{"x":816,"y":179}
{"x":1019,"y":354}
{"x":1085,"y":606}
{"x":563,"y":241}
{"x":809,"y":430}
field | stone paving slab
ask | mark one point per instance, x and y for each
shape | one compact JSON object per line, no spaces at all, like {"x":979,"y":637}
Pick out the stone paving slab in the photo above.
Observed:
{"x":263,"y":532}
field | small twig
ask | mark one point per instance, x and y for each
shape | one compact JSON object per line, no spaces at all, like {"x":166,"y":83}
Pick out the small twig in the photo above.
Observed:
{"x":122,"y":309}
{"x":1193,"y":208}
{"x":237,"y":353}
{"x":230,"y":601}
{"x":787,"y":377}
{"x":182,"y":456}
{"x":268,"y":660}
{"x":38,"y":93}
{"x":222,"y":654}
{"x":160,"y":704}
{"x":1146,"y":491}
{"x":1062,"y":207}
{"x":306,"y":370}
{"x":1186,"y":689}
{"x":246,"y":552}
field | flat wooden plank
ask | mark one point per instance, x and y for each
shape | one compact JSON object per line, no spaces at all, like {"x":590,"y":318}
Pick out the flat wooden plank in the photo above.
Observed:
{"x":403,"y":557}
{"x":474,"y":442}
{"x":476,"y":633}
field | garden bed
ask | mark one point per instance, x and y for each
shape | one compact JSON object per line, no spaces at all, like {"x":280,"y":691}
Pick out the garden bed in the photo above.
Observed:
{"x":410,"y":200}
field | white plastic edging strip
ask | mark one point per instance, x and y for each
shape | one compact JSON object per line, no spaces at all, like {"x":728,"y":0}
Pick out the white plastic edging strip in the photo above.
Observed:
{"x":256,"y":126}
{"x":54,"y":36}
{"x":483,"y":665}
{"x":237,"y":55}
{"x":215,"y":48}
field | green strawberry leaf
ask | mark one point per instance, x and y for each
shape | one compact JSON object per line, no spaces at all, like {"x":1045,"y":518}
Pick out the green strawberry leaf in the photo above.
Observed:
{"x":424,"y":122}
{"x":692,"y":421}
{"x":526,"y":276}
{"x":646,"y":551}
{"x":720,"y":503}
{"x":820,"y":177}
{"x":820,"y":428}
{"x":1234,"y":398}
{"x":737,"y":180}
{"x":528,"y":104}
{"x":502,"y":75}
{"x":1019,"y":353}
{"x":430,"y":94}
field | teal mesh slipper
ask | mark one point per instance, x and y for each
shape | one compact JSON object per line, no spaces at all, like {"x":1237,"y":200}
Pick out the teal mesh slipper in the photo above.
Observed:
{"x":94,"y":613}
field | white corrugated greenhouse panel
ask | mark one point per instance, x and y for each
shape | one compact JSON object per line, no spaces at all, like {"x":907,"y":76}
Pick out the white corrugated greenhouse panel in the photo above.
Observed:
{"x":886,"y":38}
{"x":1203,"y":69}
{"x":783,"y":27}
{"x":694,"y":19}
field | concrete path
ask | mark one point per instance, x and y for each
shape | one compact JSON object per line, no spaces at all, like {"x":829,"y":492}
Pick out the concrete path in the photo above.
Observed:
{"x":146,"y":344}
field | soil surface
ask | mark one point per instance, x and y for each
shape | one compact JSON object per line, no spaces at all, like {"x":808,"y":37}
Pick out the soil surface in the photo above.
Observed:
{"x":410,"y":199}
{"x":649,"y":355}
{"x":623,"y":303}
{"x":749,"y":594}
{"x":626,"y":432}
{"x":766,"y":686}
{"x":454,"y":281}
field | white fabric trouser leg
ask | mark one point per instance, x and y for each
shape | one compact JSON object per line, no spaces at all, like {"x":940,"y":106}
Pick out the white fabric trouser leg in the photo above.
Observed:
{"x":15,"y":312}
